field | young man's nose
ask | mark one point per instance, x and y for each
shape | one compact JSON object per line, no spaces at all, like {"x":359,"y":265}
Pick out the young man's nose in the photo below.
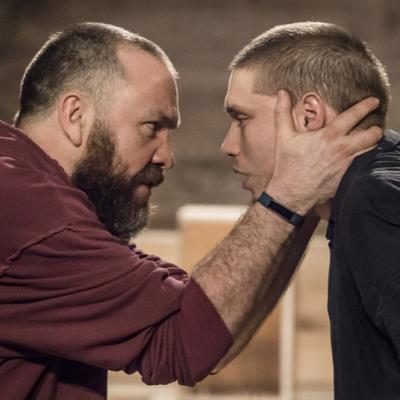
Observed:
{"x":231,"y":144}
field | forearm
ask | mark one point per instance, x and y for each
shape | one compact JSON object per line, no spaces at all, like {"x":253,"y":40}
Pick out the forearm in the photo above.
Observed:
{"x":287,"y":260}
{"x":242,"y":270}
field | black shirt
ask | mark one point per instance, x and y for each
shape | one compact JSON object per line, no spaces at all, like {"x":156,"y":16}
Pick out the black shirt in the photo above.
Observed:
{"x":364,"y":277}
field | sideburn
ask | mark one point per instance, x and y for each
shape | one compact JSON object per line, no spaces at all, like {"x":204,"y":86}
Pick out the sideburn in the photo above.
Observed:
{"x":108,"y":186}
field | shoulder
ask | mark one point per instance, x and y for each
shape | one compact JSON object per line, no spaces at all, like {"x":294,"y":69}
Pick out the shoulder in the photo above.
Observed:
{"x":374,"y":188}
{"x":36,"y":197}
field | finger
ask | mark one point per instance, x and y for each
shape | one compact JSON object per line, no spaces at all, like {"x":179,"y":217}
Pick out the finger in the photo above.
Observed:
{"x":345,"y":121}
{"x":283,"y":117}
{"x":362,"y":141}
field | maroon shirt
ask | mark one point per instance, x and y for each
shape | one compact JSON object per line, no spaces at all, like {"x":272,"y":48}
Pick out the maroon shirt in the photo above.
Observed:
{"x":75,"y":301}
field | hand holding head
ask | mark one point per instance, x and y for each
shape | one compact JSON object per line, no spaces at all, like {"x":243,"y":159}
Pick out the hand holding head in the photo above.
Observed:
{"x":309,"y":166}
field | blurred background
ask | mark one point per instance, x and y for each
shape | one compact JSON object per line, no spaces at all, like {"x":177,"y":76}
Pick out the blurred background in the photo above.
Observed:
{"x":291,"y":355}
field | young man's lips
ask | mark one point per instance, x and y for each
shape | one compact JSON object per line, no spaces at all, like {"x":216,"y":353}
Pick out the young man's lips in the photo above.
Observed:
{"x":237,"y":171}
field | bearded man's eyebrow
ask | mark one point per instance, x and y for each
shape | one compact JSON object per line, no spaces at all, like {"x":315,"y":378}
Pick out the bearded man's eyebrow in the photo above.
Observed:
{"x":171,"y":121}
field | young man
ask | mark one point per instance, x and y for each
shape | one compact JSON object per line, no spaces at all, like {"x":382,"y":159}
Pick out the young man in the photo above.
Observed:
{"x":97,"y":107}
{"x":326,"y":69}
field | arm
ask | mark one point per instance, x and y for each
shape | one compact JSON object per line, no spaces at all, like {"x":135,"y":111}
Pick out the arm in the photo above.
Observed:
{"x":81,"y":295}
{"x":289,"y":257}
{"x":308,"y":169}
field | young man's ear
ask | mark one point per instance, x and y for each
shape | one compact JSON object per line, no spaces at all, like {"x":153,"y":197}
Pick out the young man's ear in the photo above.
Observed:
{"x":75,"y":116}
{"x":310,"y":112}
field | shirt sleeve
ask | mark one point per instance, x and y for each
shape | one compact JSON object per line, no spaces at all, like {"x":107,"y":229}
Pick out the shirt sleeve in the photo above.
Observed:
{"x":371,"y":229}
{"x":83,"y":296}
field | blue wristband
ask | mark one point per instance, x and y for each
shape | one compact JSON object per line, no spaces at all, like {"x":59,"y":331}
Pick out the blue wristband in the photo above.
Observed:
{"x":290,"y":216}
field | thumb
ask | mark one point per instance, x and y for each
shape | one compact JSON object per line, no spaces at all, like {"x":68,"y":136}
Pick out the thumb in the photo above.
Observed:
{"x":284,"y":124}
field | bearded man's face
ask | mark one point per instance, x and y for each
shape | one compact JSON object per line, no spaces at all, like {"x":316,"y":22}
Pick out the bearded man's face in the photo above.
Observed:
{"x":121,"y":200}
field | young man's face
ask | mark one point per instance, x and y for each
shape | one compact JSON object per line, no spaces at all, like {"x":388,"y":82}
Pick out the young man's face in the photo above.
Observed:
{"x":250,"y":140}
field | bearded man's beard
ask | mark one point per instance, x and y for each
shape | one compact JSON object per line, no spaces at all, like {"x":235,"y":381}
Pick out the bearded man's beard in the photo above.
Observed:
{"x":111,"y":190}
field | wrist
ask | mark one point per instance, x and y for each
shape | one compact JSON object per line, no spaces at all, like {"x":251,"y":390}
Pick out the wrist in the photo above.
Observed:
{"x":290,"y":197}
{"x":285,"y":213}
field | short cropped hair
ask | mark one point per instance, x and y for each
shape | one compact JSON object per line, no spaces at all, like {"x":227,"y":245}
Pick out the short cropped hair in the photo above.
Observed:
{"x":84,"y":57}
{"x":317,"y":57}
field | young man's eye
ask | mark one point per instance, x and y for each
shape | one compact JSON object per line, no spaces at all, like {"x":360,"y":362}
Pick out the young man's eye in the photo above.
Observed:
{"x":241,"y":120}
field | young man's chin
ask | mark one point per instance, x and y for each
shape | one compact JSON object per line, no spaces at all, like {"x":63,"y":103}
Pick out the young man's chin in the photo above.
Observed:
{"x":255,"y":194}
{"x":248,"y":187}
{"x":255,"y":190}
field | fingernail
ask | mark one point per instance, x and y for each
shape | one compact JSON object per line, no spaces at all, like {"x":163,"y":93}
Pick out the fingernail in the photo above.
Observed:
{"x":281,"y":93}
